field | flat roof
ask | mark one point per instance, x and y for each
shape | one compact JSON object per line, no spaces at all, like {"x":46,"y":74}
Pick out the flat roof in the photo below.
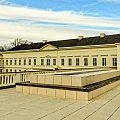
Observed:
{"x":79,"y":73}
{"x":17,"y":106}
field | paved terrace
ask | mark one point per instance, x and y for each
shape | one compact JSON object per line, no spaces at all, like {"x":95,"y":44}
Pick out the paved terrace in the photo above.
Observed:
{"x":16,"y":106}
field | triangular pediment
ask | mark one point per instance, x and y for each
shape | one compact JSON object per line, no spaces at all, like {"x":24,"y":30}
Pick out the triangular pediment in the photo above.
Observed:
{"x":48,"y":47}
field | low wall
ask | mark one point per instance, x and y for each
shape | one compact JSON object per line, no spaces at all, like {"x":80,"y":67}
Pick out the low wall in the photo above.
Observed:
{"x":86,"y":93}
{"x":75,"y":79}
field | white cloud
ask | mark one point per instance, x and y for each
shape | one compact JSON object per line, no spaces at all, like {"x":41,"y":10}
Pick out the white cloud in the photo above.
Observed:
{"x":11,"y":30}
{"x":57,"y":17}
{"x":5,"y":2}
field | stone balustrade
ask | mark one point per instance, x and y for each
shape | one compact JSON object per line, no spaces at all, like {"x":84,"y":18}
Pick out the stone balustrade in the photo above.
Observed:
{"x":9,"y":79}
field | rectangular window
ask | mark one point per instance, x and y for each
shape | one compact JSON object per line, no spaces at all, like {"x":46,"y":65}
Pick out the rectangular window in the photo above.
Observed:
{"x":0,"y":70}
{"x":15,"y":70}
{"x":6,"y":70}
{"x":42,"y":61}
{"x":85,"y":61}
{"x":24,"y":61}
{"x":114,"y":61}
{"x":94,"y":61}
{"x":103,"y":61}
{"x":6,"y":62}
{"x":2,"y":62}
{"x":54,"y":61}
{"x":34,"y":61}
{"x":10,"y":70}
{"x":29,"y":61}
{"x":19,"y":61}
{"x":77,"y":61}
{"x":48,"y":61}
{"x":62,"y":62}
{"x":10,"y":62}
{"x":15,"y":62}
{"x":69,"y":61}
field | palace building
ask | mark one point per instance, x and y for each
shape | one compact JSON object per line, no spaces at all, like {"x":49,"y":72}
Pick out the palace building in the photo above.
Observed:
{"x":81,"y":53}
{"x":80,"y":69}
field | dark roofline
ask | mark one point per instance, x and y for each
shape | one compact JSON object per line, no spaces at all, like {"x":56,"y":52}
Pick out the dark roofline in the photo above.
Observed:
{"x":96,"y":40}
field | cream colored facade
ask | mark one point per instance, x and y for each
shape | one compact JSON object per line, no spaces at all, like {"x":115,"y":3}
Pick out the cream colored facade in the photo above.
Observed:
{"x":49,"y":57}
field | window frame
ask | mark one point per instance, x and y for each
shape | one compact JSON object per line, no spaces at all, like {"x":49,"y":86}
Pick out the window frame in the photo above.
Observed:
{"x":42,"y":62}
{"x":11,"y":62}
{"x":6,"y":70}
{"x":29,"y":61}
{"x":2,"y":62}
{"x":104,"y":61}
{"x":114,"y":62}
{"x":69,"y":61}
{"x":24,"y":63}
{"x":85,"y":61}
{"x":77,"y":61}
{"x":94,"y":61}
{"x":20,"y":62}
{"x":48,"y":61}
{"x":15,"y":62}
{"x":35,"y":61}
{"x":62,"y":61}
{"x":54,"y":62}
{"x":6,"y":62}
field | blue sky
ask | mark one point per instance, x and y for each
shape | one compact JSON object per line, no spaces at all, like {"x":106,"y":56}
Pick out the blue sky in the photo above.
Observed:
{"x":106,"y":8}
{"x":57,"y":19}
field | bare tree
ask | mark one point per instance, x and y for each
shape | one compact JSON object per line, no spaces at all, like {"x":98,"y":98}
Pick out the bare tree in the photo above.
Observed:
{"x":19,"y":41}
{"x":16,"y":42}
{"x":6,"y":47}
{"x":1,"y":48}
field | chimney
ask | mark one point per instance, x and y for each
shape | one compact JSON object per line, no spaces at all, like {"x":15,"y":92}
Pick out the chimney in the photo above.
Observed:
{"x":44,"y":41}
{"x":80,"y":37}
{"x":102,"y":35}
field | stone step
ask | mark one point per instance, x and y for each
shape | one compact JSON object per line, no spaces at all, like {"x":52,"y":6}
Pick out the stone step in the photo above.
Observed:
{"x":87,"y":92}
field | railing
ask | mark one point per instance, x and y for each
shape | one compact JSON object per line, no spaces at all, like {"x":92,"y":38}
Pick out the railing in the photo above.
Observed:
{"x":8,"y":79}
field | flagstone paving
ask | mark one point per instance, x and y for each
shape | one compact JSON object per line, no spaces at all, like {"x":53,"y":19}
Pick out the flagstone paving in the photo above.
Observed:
{"x":17,"y":106}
